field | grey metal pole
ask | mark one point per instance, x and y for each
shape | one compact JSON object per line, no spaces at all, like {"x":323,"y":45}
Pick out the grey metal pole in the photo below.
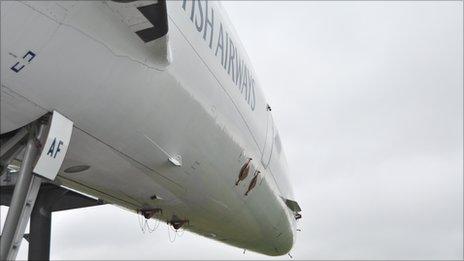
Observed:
{"x":40,"y":229}
{"x":9,"y":144}
{"x":19,"y":195}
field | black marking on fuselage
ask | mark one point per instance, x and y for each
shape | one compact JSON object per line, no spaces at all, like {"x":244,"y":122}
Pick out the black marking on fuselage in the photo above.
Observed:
{"x":150,"y":34}
{"x":156,"y":14}
{"x":19,"y":65}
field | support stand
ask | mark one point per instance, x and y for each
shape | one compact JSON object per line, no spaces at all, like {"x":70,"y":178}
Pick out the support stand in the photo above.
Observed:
{"x":30,"y":196}
{"x":40,"y":230}
{"x":23,"y":198}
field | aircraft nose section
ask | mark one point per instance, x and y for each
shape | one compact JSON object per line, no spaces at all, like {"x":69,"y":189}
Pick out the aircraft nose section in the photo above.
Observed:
{"x":278,"y":240}
{"x":283,"y":244}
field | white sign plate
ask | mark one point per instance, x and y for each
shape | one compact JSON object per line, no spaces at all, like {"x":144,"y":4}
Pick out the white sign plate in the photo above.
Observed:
{"x":55,"y":147}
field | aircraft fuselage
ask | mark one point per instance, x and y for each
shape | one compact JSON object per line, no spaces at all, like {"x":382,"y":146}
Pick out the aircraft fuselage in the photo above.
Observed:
{"x":163,"y":122}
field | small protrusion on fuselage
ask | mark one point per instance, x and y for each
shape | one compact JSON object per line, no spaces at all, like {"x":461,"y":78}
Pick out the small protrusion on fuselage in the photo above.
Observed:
{"x":149,"y":213}
{"x":177,"y":223}
{"x":244,"y":171}
{"x":253,"y":182}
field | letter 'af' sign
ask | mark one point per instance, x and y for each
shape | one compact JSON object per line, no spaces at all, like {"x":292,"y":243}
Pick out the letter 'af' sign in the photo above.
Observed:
{"x":55,"y":147}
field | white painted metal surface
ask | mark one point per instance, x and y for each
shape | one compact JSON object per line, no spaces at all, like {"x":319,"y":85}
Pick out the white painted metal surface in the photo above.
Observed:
{"x":181,"y":92}
{"x":55,"y":147}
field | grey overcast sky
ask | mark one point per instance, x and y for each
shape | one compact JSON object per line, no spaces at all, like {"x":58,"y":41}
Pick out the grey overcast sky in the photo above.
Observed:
{"x":368,"y":98}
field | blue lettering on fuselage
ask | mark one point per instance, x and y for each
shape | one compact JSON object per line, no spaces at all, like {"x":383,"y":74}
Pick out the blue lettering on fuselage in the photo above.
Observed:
{"x":54,"y":148}
{"x":202,"y":18}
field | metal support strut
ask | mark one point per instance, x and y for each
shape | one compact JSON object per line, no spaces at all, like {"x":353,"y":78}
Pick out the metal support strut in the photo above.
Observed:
{"x":24,"y":196}
{"x":40,"y":229}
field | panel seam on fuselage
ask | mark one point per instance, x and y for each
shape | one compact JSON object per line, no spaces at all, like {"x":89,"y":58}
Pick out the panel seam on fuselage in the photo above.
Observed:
{"x":99,"y":140}
{"x":99,"y":191}
{"x":228,"y":95}
{"x":130,"y":158}
{"x":219,"y":82}
{"x":122,"y":56}
{"x":94,"y":39}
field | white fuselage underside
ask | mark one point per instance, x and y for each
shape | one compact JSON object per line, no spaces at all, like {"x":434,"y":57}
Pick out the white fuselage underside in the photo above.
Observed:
{"x":133,"y":105}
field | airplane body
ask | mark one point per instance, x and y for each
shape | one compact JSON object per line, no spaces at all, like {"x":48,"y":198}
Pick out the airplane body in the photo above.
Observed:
{"x":166,"y":111}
